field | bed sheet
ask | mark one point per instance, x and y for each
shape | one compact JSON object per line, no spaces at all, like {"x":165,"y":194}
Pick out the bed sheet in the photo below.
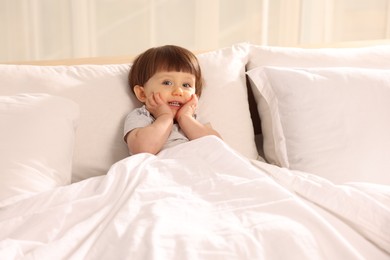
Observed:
{"x":363,"y":206}
{"x":198,"y":200}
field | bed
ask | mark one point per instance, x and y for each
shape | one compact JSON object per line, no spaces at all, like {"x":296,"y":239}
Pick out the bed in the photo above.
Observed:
{"x":302,"y":172}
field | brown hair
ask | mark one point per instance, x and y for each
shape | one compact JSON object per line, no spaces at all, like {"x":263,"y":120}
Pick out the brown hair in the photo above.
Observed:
{"x":164,"y":58}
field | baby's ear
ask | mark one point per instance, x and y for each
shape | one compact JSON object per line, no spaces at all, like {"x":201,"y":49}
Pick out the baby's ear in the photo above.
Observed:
{"x":140,"y":93}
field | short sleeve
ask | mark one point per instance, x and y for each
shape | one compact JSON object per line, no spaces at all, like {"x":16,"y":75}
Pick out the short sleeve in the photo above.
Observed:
{"x":137,"y":118}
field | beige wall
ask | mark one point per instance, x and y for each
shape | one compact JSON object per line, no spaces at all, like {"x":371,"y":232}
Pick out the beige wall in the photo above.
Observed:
{"x":47,"y":29}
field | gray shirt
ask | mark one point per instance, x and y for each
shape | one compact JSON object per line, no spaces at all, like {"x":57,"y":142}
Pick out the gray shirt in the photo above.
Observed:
{"x":140,"y":117}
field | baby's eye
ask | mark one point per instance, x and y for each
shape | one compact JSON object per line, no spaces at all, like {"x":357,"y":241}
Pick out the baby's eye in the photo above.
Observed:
{"x":167,"y":82}
{"x":187,"y":85}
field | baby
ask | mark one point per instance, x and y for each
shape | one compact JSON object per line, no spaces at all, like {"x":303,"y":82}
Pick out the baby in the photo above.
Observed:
{"x":168,"y":81}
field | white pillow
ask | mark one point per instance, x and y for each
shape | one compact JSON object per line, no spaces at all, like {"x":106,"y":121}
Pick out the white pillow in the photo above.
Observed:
{"x":334,"y":122}
{"x":366,"y":57}
{"x":259,"y":56}
{"x":104,"y":97}
{"x":224,"y":100}
{"x":37,"y":138}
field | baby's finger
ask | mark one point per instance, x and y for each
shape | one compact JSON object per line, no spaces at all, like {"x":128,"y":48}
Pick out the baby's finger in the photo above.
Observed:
{"x":151,"y":100}
{"x":193,"y":102}
{"x":157,"y":98}
{"x":194,"y":99}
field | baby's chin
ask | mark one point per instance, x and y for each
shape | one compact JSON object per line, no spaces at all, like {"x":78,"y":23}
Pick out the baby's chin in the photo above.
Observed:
{"x":174,"y":112}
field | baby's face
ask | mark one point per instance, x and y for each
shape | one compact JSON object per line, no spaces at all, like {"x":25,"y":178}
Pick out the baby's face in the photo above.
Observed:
{"x":175,"y":88}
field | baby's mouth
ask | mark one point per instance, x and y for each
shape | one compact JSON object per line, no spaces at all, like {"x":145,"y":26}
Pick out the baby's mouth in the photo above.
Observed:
{"x":174,"y":103}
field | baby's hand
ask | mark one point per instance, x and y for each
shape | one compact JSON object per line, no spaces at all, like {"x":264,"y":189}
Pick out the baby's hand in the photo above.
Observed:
{"x":156,"y":106}
{"x":189,"y":108}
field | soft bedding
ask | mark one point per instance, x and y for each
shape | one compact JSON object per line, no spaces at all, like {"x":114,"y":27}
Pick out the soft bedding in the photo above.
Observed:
{"x":68,"y":189}
{"x":103,"y":95}
{"x":334,"y":122}
{"x":364,"y":206}
{"x":185,"y":203}
{"x":324,"y":110}
{"x":36,"y":144}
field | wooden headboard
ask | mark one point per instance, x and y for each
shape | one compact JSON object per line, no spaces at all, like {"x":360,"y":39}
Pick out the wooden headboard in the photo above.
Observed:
{"x":128,"y":58}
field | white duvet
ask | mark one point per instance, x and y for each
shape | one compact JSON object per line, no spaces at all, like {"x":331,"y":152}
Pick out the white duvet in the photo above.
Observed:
{"x":198,"y":200}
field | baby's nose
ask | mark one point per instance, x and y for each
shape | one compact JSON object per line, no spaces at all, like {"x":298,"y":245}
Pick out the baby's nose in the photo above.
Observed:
{"x":177,"y":91}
